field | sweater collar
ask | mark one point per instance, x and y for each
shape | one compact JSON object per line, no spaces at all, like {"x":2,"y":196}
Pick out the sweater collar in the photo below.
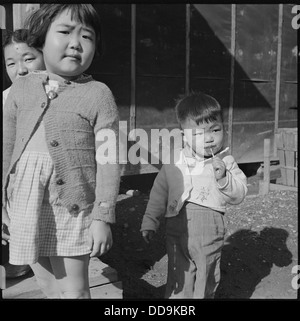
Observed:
{"x":46,"y":76}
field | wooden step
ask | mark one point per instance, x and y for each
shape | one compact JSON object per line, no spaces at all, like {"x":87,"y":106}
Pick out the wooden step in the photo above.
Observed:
{"x":104,"y":283}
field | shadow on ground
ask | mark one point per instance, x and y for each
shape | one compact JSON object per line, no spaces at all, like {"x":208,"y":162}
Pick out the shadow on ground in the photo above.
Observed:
{"x":248,"y":257}
{"x":132,"y":258}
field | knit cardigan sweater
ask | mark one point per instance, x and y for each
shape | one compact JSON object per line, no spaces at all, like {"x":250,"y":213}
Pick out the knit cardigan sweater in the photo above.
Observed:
{"x":72,"y":119}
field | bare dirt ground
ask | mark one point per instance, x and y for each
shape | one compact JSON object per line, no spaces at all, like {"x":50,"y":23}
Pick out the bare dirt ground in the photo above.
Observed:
{"x":260,"y":251}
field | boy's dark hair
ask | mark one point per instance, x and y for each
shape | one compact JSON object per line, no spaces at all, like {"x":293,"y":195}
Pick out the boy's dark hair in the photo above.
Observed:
{"x":9,"y":37}
{"x":39,"y":21}
{"x":198,"y":107}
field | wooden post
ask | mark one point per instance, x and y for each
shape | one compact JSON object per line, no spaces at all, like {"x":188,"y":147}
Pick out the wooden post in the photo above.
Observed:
{"x":8,"y":16}
{"x":278,"y":74}
{"x":232,"y":67}
{"x":187,"y":48}
{"x":290,"y":157}
{"x":2,"y":18}
{"x":266,"y":181}
{"x":132,"y":121}
{"x":21,"y":12}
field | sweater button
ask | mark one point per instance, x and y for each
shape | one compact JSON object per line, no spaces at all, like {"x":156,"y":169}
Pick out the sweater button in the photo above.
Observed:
{"x":43,"y":105}
{"x":52,"y":94}
{"x":75,"y":207}
{"x":54,"y":143}
{"x":60,"y":182}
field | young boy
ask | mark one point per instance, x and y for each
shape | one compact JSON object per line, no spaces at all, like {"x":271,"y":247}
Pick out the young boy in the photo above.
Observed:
{"x":192,"y":194}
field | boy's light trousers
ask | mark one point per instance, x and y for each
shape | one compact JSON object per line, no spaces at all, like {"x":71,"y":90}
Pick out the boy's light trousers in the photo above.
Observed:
{"x":195,"y":238}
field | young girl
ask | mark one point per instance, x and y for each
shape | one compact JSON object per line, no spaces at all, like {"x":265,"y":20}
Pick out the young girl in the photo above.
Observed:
{"x":19,"y":60}
{"x":192,"y":194}
{"x":61,"y":201}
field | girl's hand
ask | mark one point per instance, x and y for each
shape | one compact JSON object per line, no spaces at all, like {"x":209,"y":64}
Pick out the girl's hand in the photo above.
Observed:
{"x":5,"y":227}
{"x":100,"y":238}
{"x":219,"y":168}
{"x":147,"y":235}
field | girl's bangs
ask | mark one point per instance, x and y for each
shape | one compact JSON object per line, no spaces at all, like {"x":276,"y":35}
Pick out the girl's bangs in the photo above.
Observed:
{"x":82,"y":15}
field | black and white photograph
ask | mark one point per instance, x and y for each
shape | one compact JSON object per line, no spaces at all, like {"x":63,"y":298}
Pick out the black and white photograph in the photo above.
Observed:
{"x":149,"y":152}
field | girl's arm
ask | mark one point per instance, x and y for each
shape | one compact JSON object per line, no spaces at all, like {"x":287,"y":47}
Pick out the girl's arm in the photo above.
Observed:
{"x":106,"y":129}
{"x":108,"y":173}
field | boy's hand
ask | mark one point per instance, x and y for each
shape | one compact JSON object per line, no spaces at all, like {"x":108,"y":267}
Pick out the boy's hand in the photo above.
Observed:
{"x":5,"y":227}
{"x":147,"y":236}
{"x":219,"y":168}
{"x":100,"y":238}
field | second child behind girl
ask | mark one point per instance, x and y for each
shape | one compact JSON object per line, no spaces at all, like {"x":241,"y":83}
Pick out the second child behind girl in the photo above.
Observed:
{"x":61,"y":201}
{"x":19,"y":59}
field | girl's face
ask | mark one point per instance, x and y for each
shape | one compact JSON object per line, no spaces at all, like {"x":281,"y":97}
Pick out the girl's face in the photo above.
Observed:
{"x":21,"y":59}
{"x":69,"y":47}
{"x":203,"y":137}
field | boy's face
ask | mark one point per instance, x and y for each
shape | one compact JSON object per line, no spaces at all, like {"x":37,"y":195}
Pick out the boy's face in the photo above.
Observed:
{"x":21,"y":59}
{"x":69,"y":46}
{"x":203,"y":137}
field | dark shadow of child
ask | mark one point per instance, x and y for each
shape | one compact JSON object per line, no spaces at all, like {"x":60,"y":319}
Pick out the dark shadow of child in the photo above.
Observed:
{"x":247,"y":257}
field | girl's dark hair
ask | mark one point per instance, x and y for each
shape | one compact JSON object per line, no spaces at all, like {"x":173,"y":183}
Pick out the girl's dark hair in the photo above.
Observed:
{"x":198,"y":107}
{"x":9,"y":37}
{"x":39,"y":21}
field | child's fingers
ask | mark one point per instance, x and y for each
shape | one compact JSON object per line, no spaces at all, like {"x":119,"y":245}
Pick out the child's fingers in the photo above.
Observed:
{"x":5,"y":236}
{"x":102,"y":249}
{"x":5,"y":232}
{"x":95,"y":250}
{"x":218,"y":163}
{"x":145,"y":235}
{"x":92,"y":246}
{"x":5,"y":218}
{"x":105,"y":247}
{"x":219,"y":167}
{"x":99,"y":249}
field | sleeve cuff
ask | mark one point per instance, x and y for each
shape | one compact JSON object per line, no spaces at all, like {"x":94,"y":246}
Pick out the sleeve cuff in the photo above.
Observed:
{"x":104,"y":213}
{"x":149,"y":224}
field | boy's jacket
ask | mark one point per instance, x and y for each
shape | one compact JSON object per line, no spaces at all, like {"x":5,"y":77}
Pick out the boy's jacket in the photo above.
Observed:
{"x":173,"y":187}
